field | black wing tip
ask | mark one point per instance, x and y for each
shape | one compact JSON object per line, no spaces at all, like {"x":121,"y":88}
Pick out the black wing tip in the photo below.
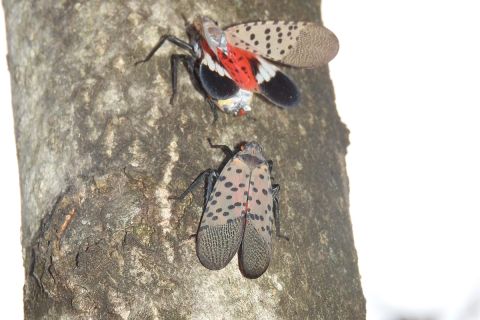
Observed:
{"x":281,"y":91}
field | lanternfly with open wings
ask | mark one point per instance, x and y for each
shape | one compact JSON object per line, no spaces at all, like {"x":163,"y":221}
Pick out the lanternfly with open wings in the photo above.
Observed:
{"x":232,"y":64}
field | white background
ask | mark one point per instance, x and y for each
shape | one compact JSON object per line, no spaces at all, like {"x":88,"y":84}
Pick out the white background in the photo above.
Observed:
{"x":407,"y":86}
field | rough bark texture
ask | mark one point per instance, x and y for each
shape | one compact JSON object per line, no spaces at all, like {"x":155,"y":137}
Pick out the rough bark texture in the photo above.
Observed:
{"x":100,"y":149}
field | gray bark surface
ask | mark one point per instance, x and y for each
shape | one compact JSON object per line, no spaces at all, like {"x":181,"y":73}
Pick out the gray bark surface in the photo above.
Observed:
{"x":100,"y":149}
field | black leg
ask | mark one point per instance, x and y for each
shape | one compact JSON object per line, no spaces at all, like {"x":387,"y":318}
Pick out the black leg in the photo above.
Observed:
{"x":188,"y":61}
{"x":224,"y":148}
{"x":213,"y":107}
{"x":270,"y":166}
{"x":212,"y":177}
{"x":179,"y":42}
{"x":276,"y":211}
{"x":210,"y":174}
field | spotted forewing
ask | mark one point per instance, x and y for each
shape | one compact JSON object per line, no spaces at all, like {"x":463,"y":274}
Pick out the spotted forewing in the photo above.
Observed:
{"x":299,"y":44}
{"x":256,"y":247}
{"x":223,"y":221}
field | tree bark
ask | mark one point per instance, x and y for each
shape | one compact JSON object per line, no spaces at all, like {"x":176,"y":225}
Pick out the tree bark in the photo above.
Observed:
{"x":100,"y":150}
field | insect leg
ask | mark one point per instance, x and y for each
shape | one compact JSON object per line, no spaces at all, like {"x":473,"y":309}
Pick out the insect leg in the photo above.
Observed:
{"x":270,"y":168}
{"x":224,"y":148}
{"x":179,"y":42}
{"x":211,"y":178}
{"x":213,"y":107}
{"x":188,"y":61}
{"x":270,"y":165}
{"x":210,"y":174}
{"x":190,"y":64}
{"x":276,"y":210}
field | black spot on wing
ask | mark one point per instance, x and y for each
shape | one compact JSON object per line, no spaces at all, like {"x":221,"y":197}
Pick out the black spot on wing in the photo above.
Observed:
{"x":280,"y":90}
{"x":215,"y":85}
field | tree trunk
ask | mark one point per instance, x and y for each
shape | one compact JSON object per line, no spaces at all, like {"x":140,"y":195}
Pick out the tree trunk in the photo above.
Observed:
{"x":100,"y":150}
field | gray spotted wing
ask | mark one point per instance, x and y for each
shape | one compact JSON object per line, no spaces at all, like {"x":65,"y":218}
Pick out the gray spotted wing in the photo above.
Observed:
{"x":222,"y":226}
{"x":256,"y":247}
{"x":299,"y":44}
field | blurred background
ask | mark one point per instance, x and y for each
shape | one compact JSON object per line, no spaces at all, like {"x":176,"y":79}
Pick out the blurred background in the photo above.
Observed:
{"x":407,"y":86}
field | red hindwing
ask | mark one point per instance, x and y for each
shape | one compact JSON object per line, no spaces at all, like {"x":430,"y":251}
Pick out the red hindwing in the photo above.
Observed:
{"x":239,"y":64}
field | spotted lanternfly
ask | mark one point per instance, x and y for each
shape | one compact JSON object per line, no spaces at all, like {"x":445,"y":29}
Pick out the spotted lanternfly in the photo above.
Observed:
{"x":230,"y":65}
{"x":241,"y":206}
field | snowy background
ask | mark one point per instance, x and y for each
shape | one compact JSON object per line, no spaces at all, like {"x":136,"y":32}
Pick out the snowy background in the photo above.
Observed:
{"x":407,"y":82}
